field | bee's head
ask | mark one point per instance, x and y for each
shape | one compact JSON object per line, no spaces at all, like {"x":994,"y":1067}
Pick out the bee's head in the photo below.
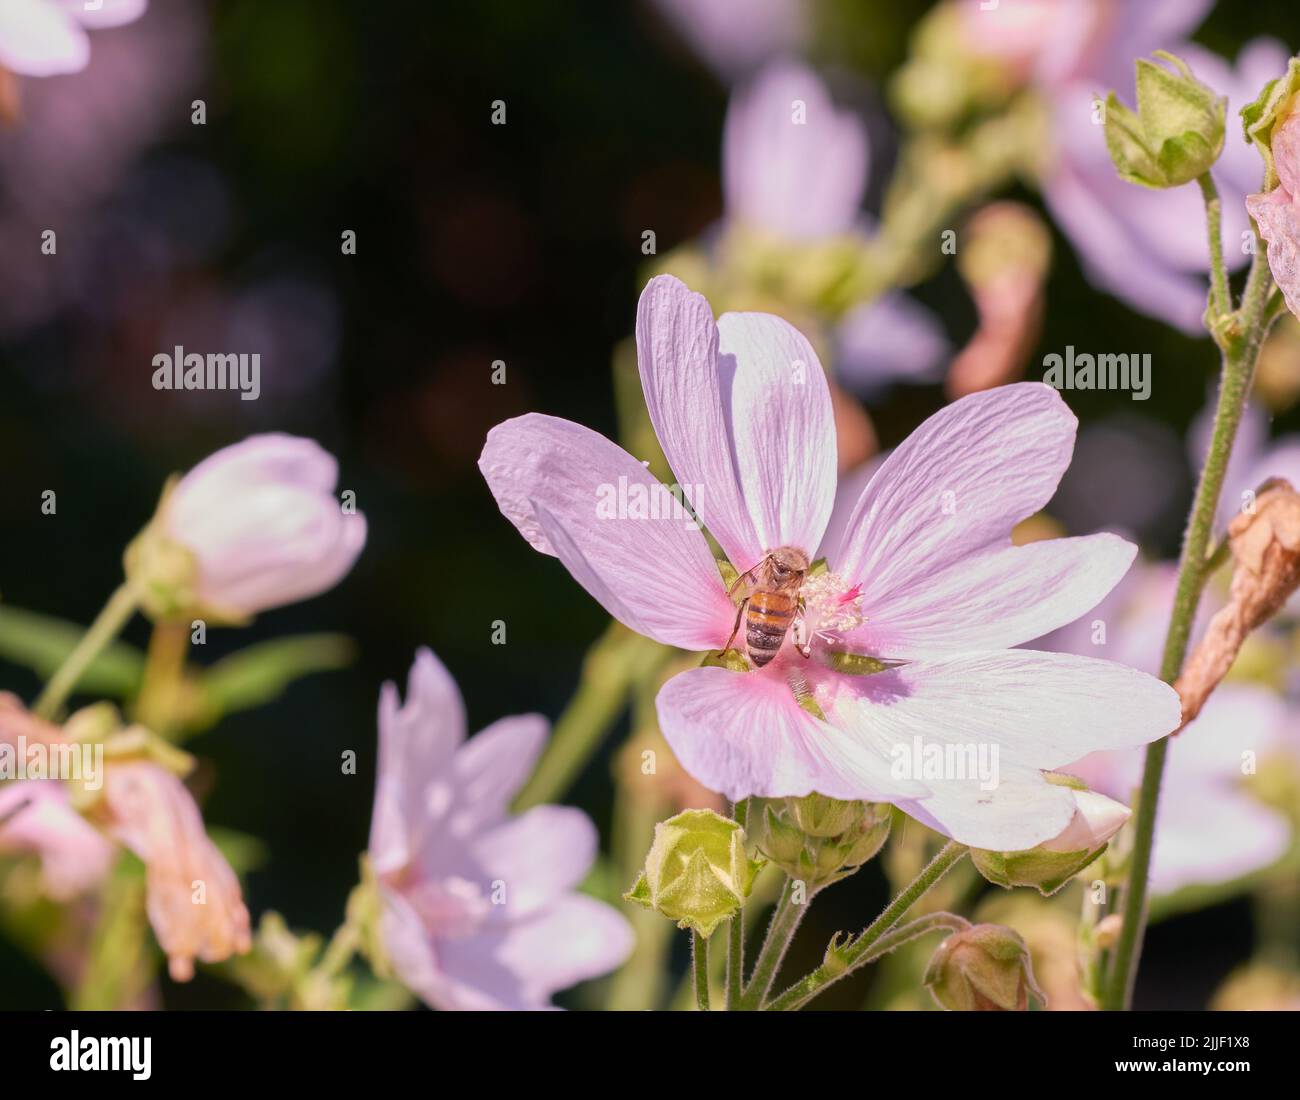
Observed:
{"x":788,"y":563}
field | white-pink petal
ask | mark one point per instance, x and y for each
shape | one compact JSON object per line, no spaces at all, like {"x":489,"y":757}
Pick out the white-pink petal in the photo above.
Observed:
{"x":744,"y":734}
{"x":783,"y":429}
{"x":688,"y":392}
{"x":655,"y":567}
{"x":956,"y":486}
{"x":994,"y":599}
{"x":1037,"y":711}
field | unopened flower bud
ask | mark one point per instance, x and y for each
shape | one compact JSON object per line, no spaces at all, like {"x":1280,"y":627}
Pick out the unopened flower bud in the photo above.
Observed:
{"x":1176,"y":134}
{"x":697,"y":872}
{"x":253,"y":526}
{"x":1053,"y":863}
{"x":984,"y":968}
{"x":819,"y":840}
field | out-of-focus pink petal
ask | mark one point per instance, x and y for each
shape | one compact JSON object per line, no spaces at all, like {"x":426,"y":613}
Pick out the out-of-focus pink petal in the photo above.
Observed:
{"x":1278,"y":216}
{"x":736,"y":35}
{"x":660,"y":570}
{"x":491,"y":769}
{"x":954,"y":489}
{"x":688,"y":392}
{"x":35,"y":817}
{"x":108,"y":13}
{"x":538,"y":856}
{"x":893,"y":338}
{"x":784,"y":430}
{"x":1212,"y":834}
{"x":193,"y":900}
{"x":1040,"y":710}
{"x":521,"y":965}
{"x":40,"y":38}
{"x":744,"y":734}
{"x":993,"y":599}
{"x":793,"y":164}
{"x":417,"y":740}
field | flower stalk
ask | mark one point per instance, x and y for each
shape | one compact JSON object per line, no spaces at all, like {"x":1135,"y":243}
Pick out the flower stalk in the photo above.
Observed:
{"x":107,"y":626}
{"x":843,"y":959}
{"x":1240,"y":336}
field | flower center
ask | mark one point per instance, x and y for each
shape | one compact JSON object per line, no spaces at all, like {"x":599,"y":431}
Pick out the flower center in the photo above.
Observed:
{"x":451,"y":908}
{"x":832,"y":604}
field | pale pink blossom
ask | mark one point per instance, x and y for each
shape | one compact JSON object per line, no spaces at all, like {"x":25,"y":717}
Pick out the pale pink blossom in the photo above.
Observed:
{"x":48,"y":37}
{"x":264,"y":524}
{"x":793,"y":163}
{"x":1148,"y":248}
{"x":481,"y":909}
{"x":926,"y":576}
{"x":35,"y":817}
{"x":795,"y":168}
{"x":193,"y":897}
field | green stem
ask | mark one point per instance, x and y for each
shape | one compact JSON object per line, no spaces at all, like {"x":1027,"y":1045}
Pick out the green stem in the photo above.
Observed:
{"x":785,"y":920}
{"x":848,"y":958}
{"x":700,"y":962}
{"x":1220,"y":296}
{"x":905,"y":933}
{"x":156,"y":704}
{"x":607,"y":677}
{"x":736,"y":930}
{"x":1240,"y":351}
{"x":120,"y":607}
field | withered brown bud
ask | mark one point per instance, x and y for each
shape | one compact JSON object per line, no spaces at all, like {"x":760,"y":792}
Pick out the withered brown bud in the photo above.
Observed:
{"x":1266,"y":570}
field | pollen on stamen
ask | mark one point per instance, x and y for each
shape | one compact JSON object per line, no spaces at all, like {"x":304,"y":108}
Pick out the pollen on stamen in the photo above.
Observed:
{"x":832,"y":603}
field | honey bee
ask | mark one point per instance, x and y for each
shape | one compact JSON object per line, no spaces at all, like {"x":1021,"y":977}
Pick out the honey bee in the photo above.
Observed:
{"x":772,"y":605}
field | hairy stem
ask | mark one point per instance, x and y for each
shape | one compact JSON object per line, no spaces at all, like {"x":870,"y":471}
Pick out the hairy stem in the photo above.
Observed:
{"x":844,"y":960}
{"x":700,"y":962}
{"x":736,"y":931}
{"x":1220,"y":297}
{"x":785,"y":920}
{"x":1240,"y":352}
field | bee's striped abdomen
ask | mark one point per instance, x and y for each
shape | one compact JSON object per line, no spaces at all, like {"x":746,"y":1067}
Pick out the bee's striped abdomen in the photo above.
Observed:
{"x":767,"y":619}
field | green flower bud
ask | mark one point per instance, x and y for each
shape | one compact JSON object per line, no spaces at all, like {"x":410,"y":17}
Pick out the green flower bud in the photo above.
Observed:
{"x":697,"y":872}
{"x":819,"y":840}
{"x":984,"y":968}
{"x":1261,"y":118}
{"x":1053,"y":863}
{"x":1176,"y":134}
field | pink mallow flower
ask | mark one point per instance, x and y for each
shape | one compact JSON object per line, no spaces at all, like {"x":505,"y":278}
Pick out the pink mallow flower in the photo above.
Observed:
{"x":480,"y":908}
{"x":48,"y":37}
{"x":925,"y":576}
{"x":1277,"y":212}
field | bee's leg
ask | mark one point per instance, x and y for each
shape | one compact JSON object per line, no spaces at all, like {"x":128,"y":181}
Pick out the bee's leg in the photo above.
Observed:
{"x":740,"y":614}
{"x":799,"y":633}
